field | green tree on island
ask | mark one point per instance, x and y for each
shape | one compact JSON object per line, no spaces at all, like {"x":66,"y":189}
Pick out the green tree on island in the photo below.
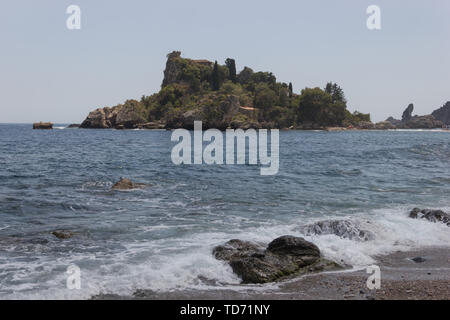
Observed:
{"x":215,"y":77}
{"x":336,"y":92}
{"x":231,"y":65}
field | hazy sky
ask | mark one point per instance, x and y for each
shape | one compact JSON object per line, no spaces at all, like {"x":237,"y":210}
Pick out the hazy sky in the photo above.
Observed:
{"x":50,"y":73}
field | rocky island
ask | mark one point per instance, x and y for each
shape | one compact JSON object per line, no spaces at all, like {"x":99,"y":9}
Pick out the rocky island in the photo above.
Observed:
{"x":221,"y":98}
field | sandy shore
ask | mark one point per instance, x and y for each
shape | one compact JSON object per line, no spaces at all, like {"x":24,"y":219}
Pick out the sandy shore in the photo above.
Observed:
{"x":401,"y":278}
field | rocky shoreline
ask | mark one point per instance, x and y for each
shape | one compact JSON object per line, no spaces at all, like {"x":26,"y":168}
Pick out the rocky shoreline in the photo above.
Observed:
{"x":299,"y":271}
{"x":129,"y":118}
{"x":401,"y":279}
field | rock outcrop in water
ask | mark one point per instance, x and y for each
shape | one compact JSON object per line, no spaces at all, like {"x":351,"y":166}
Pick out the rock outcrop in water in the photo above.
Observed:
{"x":42,"y":125}
{"x":127,"y":116}
{"x":411,"y":122}
{"x":62,"y":234}
{"x":443,"y":113}
{"x":345,"y":229}
{"x":283,"y":257}
{"x":127,"y":184}
{"x":430,"y":215}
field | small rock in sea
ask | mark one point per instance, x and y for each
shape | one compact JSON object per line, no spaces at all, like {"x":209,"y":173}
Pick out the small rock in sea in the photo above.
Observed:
{"x":42,"y":125}
{"x":127,"y":184}
{"x":345,"y":229}
{"x":62,"y":234}
{"x":418,"y":259}
{"x":430,"y":215}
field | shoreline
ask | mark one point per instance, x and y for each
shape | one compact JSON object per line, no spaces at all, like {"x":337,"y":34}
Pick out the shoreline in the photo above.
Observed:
{"x":401,"y":279}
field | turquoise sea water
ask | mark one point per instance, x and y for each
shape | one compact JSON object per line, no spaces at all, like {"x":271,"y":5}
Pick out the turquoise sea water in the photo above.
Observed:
{"x":161,"y":237}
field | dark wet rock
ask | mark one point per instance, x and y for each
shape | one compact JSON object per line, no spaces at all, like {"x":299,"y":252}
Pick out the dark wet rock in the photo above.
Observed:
{"x":285,"y":256}
{"x":43,"y":125}
{"x":418,"y":259}
{"x":127,"y":184}
{"x":443,"y":113}
{"x":236,"y":248}
{"x":74,"y":125}
{"x":62,"y":234}
{"x":430,"y":215}
{"x":289,"y":245}
{"x":342,"y":228}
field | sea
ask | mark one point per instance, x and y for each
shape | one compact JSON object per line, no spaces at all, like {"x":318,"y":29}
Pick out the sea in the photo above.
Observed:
{"x":161,"y":237}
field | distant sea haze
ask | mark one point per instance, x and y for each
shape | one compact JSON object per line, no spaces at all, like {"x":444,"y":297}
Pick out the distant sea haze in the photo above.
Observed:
{"x":161,"y":237}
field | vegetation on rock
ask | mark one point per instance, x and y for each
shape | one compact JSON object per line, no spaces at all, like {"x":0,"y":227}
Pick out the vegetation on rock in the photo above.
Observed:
{"x":220,"y":97}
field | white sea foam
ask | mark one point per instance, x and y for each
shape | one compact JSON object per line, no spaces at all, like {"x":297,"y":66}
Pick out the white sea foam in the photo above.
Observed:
{"x":170,"y":264}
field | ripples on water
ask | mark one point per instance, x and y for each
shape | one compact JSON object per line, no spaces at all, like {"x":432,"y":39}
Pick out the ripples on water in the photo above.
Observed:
{"x":161,"y":237}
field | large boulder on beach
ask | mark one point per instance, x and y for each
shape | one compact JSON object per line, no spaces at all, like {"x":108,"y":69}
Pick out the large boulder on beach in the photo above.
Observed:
{"x":430,"y":215}
{"x":283,"y":257}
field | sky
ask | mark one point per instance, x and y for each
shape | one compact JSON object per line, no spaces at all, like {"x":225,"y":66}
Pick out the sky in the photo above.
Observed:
{"x":51,"y":73}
